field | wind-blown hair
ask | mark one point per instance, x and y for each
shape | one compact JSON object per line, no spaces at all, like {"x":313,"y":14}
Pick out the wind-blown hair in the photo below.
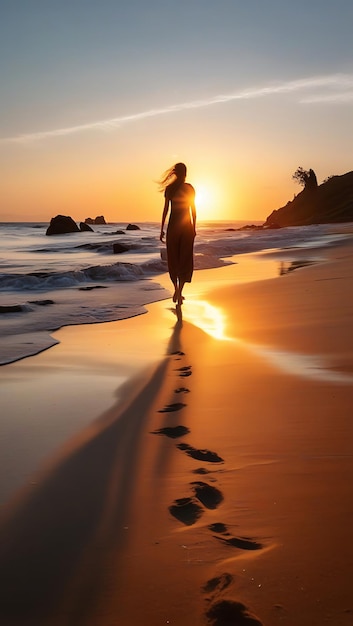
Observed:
{"x":175,"y":174}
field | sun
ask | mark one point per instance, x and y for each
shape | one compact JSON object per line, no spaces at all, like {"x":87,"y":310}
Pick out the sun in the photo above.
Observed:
{"x":207,"y":201}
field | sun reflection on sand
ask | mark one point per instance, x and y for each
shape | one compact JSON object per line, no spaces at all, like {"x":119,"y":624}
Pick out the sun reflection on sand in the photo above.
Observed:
{"x":204,"y":315}
{"x":212,"y":320}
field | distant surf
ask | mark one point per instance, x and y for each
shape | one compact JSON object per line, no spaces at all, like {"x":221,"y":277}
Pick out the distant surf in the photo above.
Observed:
{"x":49,"y":282}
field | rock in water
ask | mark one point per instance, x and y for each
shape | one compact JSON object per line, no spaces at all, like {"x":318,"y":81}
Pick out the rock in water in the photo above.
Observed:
{"x":99,"y":219}
{"x":85,"y":227}
{"x":118,"y":248}
{"x":62,"y":224}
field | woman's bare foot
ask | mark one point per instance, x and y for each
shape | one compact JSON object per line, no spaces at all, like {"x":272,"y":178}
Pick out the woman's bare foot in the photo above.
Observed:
{"x":176,"y":295}
{"x":180,"y":299}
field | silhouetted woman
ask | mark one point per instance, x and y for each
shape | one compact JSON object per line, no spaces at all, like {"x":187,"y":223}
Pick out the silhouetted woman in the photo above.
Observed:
{"x":181,"y":230}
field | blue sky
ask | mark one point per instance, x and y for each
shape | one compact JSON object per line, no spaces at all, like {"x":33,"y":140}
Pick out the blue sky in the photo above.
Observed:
{"x":243,"y":92}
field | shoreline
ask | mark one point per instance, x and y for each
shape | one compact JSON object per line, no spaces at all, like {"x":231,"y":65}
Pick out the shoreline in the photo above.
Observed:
{"x":106,"y":357}
{"x":35,"y":303}
{"x":221,"y":487}
{"x":103,"y":357}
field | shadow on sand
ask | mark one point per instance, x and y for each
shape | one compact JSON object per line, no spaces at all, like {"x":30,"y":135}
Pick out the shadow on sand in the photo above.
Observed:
{"x":56,"y":539}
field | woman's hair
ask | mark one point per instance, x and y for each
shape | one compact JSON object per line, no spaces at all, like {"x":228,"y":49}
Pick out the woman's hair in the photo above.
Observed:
{"x":175,"y":174}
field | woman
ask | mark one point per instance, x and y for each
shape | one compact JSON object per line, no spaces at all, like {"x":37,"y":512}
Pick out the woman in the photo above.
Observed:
{"x":181,"y":231}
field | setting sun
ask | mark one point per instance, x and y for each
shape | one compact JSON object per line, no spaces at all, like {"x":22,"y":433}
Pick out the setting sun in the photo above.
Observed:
{"x":208,"y":201}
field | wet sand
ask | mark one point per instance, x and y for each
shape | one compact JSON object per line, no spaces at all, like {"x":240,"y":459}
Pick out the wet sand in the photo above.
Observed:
{"x":215,"y":486}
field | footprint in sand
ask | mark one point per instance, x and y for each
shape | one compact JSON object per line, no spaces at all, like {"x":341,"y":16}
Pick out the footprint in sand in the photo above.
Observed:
{"x":209,"y":496}
{"x":226,"y":612}
{"x":218,"y":584}
{"x":186,"y":510}
{"x":182,"y":390}
{"x":172,"y":432}
{"x":242,"y":543}
{"x":176,"y":406}
{"x":219,"y":528}
{"x":184,"y":371}
{"x":178,"y":353}
{"x":200,"y":455}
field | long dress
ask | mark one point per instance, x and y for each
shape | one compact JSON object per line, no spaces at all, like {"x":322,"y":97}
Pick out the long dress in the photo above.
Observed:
{"x":180,"y":233}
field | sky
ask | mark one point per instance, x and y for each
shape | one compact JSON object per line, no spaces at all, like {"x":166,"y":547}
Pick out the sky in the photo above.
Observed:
{"x":100,"y":97}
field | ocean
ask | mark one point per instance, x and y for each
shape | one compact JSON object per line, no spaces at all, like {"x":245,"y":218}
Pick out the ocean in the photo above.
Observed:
{"x":47,"y":282}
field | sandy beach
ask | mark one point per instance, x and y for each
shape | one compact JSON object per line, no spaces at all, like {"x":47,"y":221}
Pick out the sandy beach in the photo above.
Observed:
{"x":188,"y":468}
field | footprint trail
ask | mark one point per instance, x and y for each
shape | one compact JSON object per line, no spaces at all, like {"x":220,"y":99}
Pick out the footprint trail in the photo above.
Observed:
{"x":200,"y":455}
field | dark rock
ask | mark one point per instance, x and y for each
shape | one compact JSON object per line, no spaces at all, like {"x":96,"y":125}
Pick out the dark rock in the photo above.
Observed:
{"x":85,"y":227}
{"x":272,"y":226}
{"x":250,"y":227}
{"x":90,"y":287}
{"x":118,"y":248}
{"x":117,"y":232}
{"x":100,"y":219}
{"x":132,"y":227}
{"x":41,"y":302}
{"x":97,"y":220}
{"x":11,"y":308}
{"x":62,"y":224}
{"x":328,"y":203}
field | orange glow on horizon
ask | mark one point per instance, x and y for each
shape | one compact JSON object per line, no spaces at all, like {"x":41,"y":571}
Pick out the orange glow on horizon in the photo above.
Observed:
{"x":39,"y":191}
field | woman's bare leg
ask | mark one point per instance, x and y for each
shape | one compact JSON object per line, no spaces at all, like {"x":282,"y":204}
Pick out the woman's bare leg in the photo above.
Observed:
{"x":180,"y":294}
{"x":176,"y":291}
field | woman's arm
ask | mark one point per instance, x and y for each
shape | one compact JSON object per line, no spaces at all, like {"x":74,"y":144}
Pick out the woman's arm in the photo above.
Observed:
{"x":193,"y":213}
{"x":165,"y":212}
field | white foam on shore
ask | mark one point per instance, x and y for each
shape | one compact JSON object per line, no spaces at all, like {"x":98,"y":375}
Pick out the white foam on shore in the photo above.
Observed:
{"x":28,"y":331}
{"x":64,"y":272}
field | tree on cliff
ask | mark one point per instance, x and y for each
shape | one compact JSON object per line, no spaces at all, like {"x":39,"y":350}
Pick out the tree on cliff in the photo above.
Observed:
{"x":306,"y":178}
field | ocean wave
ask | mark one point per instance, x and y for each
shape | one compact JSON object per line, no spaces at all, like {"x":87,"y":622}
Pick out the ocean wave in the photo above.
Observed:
{"x":33,"y":268}
{"x":26,"y":323}
{"x":102,"y":247}
{"x":117,"y":272}
{"x":211,"y":251}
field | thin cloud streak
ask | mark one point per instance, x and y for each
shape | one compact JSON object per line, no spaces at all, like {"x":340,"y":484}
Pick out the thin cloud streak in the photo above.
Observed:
{"x":335,"y":81}
{"x":334,"y":98}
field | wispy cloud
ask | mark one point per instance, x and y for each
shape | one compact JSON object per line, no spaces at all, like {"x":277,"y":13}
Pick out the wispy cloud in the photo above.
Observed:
{"x":332,"y":98}
{"x":335,"y":88}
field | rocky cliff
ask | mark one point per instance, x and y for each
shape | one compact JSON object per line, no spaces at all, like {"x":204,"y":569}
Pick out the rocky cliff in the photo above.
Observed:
{"x":330,"y":202}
